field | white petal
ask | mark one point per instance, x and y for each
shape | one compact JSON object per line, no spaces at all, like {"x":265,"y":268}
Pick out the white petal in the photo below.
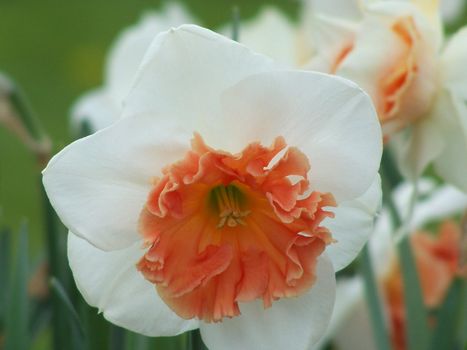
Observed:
{"x":291,"y":323}
{"x":329,"y":38}
{"x":348,"y":9}
{"x":417,"y":146}
{"x":352,"y":225}
{"x":98,"y":185}
{"x":444,"y":202}
{"x":349,"y":294}
{"x":404,"y":193}
{"x":425,"y":13}
{"x":381,"y":244}
{"x":451,"y":164}
{"x":128,"y":51}
{"x":96,"y":108}
{"x":184,"y":73}
{"x":451,"y":10}
{"x":110,"y":282}
{"x":454,"y":74}
{"x":356,"y":332}
{"x":328,"y":118}
{"x":259,"y":31}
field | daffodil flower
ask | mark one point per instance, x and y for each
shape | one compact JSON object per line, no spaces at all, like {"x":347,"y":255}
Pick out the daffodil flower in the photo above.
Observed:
{"x":103,"y":106}
{"x":225,"y":198}
{"x":395,"y":50}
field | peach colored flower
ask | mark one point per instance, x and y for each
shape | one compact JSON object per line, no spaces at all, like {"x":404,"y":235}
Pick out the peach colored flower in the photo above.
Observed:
{"x":395,"y":51}
{"x":225,"y":198}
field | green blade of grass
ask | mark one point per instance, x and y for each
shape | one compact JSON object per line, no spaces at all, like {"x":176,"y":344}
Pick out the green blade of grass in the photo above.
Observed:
{"x":418,"y":334}
{"x":17,"y":334}
{"x":449,"y":319}
{"x":194,"y":340}
{"x":5,"y":249}
{"x":97,"y":328}
{"x":60,"y":292}
{"x":136,"y":341}
{"x":117,"y":338}
{"x":25,"y":113}
{"x":380,"y":330}
{"x":57,"y":262}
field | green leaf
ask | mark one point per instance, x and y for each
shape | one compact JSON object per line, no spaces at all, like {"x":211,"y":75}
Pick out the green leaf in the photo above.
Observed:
{"x":463,"y":323}
{"x":380,"y":330}
{"x":24,"y":111}
{"x":39,"y":317}
{"x":136,"y":341}
{"x":449,"y":319}
{"x":235,"y":23}
{"x":60,"y":292}
{"x":194,"y":340}
{"x":5,"y":249}
{"x":17,"y":334}
{"x":85,"y":129}
{"x":57,"y":262}
{"x":117,"y":338}
{"x":97,"y":328}
{"x":418,"y":334}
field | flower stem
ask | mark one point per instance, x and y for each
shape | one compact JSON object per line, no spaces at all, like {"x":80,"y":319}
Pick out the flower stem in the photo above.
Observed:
{"x":417,"y":332}
{"x":235,"y":23}
{"x":194,"y":341}
{"x":117,"y":338}
{"x":380,"y":329}
{"x":19,"y":117}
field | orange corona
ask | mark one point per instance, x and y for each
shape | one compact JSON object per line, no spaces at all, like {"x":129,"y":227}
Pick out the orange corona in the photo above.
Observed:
{"x":223,"y":229}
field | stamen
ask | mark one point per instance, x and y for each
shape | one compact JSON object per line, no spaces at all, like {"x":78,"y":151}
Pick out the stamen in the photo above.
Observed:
{"x":228,"y":200}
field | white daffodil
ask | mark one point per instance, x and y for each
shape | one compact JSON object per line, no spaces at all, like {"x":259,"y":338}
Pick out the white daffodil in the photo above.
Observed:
{"x":350,"y":325}
{"x":225,"y":198}
{"x":103,"y":106}
{"x":395,"y":51}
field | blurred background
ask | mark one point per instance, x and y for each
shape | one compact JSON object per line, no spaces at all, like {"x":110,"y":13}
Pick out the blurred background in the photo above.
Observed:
{"x":55,"y":51}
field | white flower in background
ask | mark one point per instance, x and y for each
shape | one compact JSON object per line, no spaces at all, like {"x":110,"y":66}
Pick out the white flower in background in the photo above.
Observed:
{"x":350,"y":325}
{"x":395,"y":52}
{"x":270,"y":33}
{"x":182,"y":216}
{"x":103,"y":106}
{"x":450,"y":10}
{"x":352,"y":9}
